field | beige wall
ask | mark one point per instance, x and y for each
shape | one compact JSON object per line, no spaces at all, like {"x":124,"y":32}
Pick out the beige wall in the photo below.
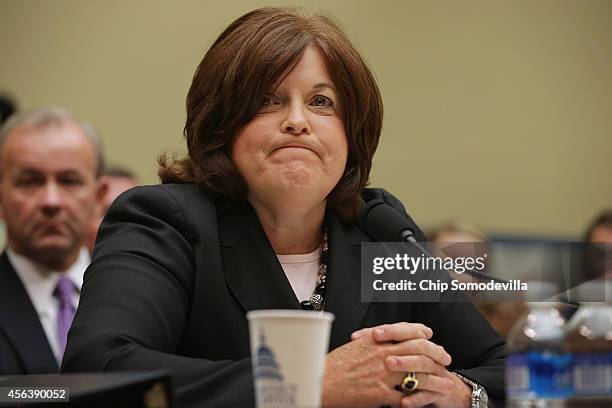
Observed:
{"x":497,"y":112}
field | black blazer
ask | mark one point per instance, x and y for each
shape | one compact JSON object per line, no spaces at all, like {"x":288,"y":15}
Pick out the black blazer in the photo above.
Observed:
{"x":24,"y":348}
{"x":176,"y":268}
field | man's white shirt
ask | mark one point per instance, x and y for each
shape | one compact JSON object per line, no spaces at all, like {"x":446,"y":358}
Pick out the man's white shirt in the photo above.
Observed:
{"x":40,"y":283}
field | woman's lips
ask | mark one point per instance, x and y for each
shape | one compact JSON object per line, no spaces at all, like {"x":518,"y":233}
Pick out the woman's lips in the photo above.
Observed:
{"x":297,"y":147}
{"x":294,"y":147}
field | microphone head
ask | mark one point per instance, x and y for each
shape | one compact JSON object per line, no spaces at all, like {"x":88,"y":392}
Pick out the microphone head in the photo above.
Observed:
{"x":384,"y":223}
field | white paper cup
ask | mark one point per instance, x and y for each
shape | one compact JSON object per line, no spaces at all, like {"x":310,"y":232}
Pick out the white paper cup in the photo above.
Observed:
{"x":288,"y":349}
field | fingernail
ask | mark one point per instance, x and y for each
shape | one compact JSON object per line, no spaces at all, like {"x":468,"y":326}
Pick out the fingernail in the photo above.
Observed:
{"x":356,"y":335}
{"x":379,"y":332}
{"x":393,"y":361}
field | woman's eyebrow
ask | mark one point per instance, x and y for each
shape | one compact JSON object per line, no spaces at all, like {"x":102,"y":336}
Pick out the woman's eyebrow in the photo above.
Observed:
{"x":322,"y":85}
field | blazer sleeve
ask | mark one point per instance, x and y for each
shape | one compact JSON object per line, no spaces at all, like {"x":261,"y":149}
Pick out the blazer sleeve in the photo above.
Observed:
{"x":135,"y":302}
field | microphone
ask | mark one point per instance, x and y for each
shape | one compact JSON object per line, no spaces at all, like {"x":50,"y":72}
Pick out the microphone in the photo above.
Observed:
{"x":386,"y":224}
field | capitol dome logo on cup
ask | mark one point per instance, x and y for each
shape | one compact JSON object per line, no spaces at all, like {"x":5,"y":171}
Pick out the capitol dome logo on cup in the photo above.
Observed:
{"x":288,"y":349}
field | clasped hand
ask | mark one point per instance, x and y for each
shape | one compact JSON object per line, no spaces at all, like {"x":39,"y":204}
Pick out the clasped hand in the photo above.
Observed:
{"x":365,"y":372}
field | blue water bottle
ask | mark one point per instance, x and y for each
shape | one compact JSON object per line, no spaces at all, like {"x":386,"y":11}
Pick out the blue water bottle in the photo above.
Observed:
{"x":538,"y":369}
{"x":589,"y":339}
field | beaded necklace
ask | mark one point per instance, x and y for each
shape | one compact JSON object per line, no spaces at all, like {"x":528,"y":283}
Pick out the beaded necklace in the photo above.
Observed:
{"x":317,"y":300}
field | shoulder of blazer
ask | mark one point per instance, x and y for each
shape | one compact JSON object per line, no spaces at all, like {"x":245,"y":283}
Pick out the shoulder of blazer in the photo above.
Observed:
{"x":185,"y":205}
{"x":182,"y":194}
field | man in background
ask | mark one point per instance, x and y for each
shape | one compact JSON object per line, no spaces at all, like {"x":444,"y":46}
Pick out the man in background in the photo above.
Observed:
{"x":7,"y":108}
{"x":117,"y":180}
{"x":600,"y":229}
{"x":50,"y":164}
{"x":598,"y":247}
{"x":501,"y":314}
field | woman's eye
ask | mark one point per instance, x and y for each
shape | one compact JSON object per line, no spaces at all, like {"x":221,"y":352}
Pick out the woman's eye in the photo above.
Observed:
{"x":266,"y":103}
{"x":322,"y":101}
{"x":267,"y":100}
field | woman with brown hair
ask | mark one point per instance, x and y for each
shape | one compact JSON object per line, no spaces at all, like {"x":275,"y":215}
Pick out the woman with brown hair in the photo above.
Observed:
{"x":283,"y":118}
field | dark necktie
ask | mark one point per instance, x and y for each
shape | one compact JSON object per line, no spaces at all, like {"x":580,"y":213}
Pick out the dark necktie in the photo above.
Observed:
{"x":64,"y":293}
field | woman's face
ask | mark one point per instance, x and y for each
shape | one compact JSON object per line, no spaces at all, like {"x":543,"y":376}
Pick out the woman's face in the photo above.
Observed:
{"x":296,"y":143}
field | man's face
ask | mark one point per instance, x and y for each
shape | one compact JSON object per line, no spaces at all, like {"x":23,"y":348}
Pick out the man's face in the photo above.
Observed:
{"x":115,"y":186}
{"x":48,"y":192}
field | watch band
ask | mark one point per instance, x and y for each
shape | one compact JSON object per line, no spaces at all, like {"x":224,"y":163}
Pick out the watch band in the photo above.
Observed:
{"x":479,"y":397}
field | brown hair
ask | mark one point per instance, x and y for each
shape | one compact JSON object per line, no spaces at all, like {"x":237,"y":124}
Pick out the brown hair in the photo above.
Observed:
{"x":242,"y":65}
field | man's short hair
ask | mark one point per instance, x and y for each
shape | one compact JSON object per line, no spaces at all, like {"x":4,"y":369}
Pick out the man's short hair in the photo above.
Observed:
{"x":46,"y":116}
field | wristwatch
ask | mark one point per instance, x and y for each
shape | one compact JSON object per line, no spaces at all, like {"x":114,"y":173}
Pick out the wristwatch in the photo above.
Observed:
{"x":479,"y":398}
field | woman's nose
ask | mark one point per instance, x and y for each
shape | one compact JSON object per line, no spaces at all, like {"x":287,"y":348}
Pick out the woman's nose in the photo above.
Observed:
{"x":295,"y":121}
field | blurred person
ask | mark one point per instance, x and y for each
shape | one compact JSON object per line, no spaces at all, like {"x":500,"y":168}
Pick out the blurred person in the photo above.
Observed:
{"x":474,"y":242}
{"x":7,"y":108}
{"x":458,"y":239}
{"x":49,"y":189}
{"x":600,"y":229}
{"x":117,"y":179}
{"x":598,"y":247}
{"x":283,"y":119}
{"x":596,"y":265}
{"x":457,"y":231}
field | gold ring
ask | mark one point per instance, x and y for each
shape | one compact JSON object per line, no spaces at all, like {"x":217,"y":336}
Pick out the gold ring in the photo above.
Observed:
{"x":409,"y":383}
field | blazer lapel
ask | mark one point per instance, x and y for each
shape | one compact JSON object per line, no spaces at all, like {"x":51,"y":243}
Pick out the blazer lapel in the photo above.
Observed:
{"x":251,"y":268}
{"x":19,"y":320}
{"x":343,"y":293}
{"x":257,"y":280}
